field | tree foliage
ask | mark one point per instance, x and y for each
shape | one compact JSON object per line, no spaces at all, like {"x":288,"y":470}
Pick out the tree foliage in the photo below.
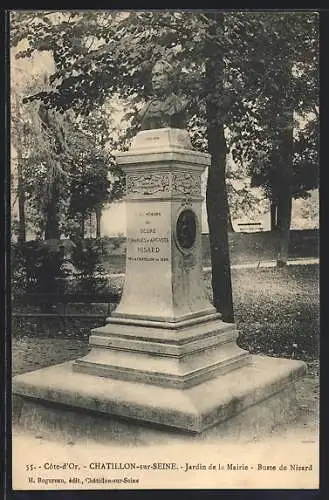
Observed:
{"x":288,"y":54}
{"x":101,"y":53}
{"x":66,"y":162}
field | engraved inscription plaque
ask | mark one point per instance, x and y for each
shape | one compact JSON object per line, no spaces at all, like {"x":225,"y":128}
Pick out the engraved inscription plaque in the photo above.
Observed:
{"x":187,"y":184}
{"x":147,"y":184}
{"x":186,"y":229}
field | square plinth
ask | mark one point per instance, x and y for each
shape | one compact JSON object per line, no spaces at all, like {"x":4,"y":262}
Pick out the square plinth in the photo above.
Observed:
{"x":59,"y":388}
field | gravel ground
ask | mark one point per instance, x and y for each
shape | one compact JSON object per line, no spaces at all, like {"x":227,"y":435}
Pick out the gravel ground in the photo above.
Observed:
{"x":30,"y":353}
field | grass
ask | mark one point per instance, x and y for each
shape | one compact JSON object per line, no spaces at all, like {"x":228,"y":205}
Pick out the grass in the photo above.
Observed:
{"x":276,"y":312}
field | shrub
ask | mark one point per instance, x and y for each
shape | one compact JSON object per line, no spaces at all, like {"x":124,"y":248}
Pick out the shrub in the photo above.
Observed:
{"x":58,"y":266}
{"x":37,"y":266}
{"x":87,"y":257}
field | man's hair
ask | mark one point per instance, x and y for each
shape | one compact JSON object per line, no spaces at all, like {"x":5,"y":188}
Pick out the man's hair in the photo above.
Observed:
{"x":163,"y":64}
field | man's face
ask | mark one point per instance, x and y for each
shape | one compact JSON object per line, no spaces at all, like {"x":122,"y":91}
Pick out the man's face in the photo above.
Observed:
{"x":159,"y":79}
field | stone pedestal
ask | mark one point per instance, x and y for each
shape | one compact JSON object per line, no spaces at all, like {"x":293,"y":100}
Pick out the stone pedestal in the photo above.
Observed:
{"x":164,"y":331}
{"x":164,"y":356}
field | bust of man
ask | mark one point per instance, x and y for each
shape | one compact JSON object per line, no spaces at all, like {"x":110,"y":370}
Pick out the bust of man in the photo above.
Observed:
{"x":163,"y":109}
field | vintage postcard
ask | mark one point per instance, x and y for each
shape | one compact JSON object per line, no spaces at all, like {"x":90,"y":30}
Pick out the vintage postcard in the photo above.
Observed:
{"x":164,"y":249}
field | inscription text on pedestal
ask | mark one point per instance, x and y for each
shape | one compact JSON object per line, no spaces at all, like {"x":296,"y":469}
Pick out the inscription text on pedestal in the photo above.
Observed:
{"x":148,"y":238}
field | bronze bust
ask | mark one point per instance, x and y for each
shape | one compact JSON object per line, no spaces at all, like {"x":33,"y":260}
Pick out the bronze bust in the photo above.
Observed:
{"x":163,"y":109}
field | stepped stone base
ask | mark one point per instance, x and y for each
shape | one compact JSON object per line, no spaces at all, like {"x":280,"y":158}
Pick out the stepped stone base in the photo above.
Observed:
{"x":178,"y":355}
{"x":260,"y":392}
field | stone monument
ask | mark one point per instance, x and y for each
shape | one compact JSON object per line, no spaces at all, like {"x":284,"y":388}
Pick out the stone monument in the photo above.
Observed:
{"x":164,"y":356}
{"x":164,"y":331}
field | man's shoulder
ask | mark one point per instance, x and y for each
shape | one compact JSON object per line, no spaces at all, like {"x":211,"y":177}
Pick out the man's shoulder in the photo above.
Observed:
{"x":173,"y":97}
{"x":178,"y":100}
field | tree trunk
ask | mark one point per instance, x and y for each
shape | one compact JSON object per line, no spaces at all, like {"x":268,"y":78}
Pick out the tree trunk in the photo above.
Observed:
{"x":98,"y":211}
{"x":21,"y":237}
{"x":285,"y":190}
{"x":284,"y":221}
{"x":230,"y":227}
{"x":217,"y":203}
{"x":52,"y":218}
{"x":21,"y":217}
{"x":82,"y":226}
{"x":273,"y":214}
{"x":52,"y":209}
